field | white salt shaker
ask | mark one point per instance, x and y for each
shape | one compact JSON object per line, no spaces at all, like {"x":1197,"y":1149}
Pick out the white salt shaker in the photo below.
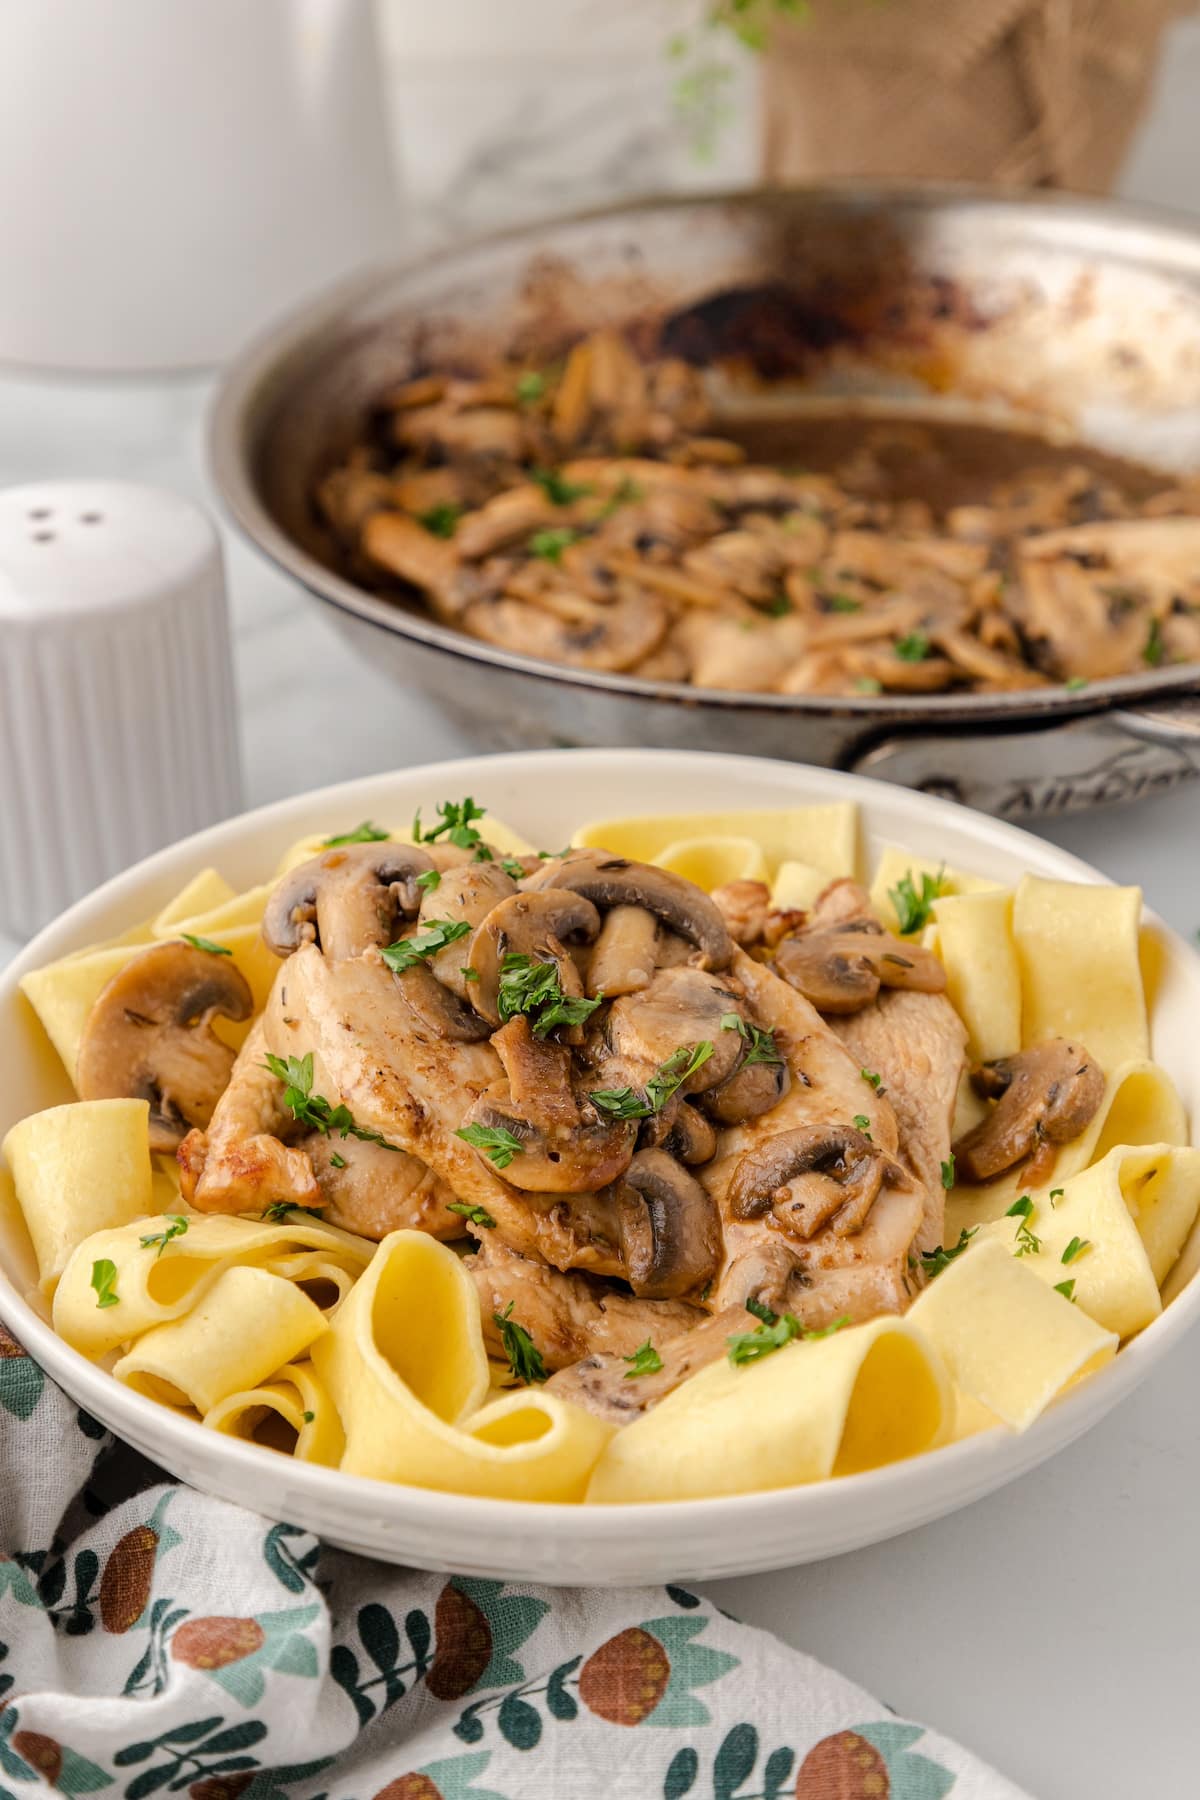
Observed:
{"x":118,"y":727}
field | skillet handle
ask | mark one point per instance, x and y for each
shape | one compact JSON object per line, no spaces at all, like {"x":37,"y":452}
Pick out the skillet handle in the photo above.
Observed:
{"x":1094,"y":759}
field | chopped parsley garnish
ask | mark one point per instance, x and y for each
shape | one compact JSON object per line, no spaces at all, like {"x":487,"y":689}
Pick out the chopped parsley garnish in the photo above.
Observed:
{"x":280,"y":1211}
{"x":336,"y":1161}
{"x":824,"y":1331}
{"x":524,"y":1357}
{"x":474,"y":1215}
{"x":468,"y":974}
{"x":1075,"y":1248}
{"x":557,"y":489}
{"x":936,"y":1260}
{"x":1154,"y":649}
{"x":1076,"y":684}
{"x":203,"y":943}
{"x":668,"y":1078}
{"x":456,"y":820}
{"x":914,"y":905}
{"x":549,"y":545}
{"x":1020,"y":1209}
{"x":862,"y":1123}
{"x":498,"y":1144}
{"x":624,"y":494}
{"x":761,"y":1045}
{"x":1028,"y":1244}
{"x":534,"y":989}
{"x":530,"y":387}
{"x":913,"y":647}
{"x":1066,"y":1289}
{"x":872,"y":1079}
{"x":441,"y":520}
{"x":176,"y":1227}
{"x":1056,"y":1195}
{"x":774,"y":1331}
{"x":868,"y":684}
{"x":842,"y":603}
{"x":313,"y":1110}
{"x":778,"y":606}
{"x":733,"y":1022}
{"x":513,"y":868}
{"x":407,"y":952}
{"x":104,"y":1276}
{"x":308,"y":1417}
{"x":429,"y":879}
{"x":706,"y":1290}
{"x":948,"y":1172}
{"x":645,"y":1361}
{"x":366,"y":833}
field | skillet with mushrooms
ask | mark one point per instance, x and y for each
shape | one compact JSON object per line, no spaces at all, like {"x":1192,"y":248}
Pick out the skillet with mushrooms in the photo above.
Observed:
{"x":600,"y":513}
{"x":664,"y":1126}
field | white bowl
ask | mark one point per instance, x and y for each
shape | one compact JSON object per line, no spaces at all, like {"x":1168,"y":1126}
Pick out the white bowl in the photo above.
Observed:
{"x":546,"y":795}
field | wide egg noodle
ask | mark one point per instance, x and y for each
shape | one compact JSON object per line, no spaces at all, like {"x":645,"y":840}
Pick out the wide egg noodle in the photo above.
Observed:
{"x":63,"y":993}
{"x":711,"y":862}
{"x":154,"y":1289}
{"x":203,"y":894}
{"x":247,"y":1325}
{"x":1081,"y":976}
{"x":869,"y":1394}
{"x":405,"y":1363}
{"x":972,"y":934}
{"x":1131,"y":1213}
{"x":895,"y":863}
{"x":1140,"y":1105}
{"x":292,"y":1411}
{"x":826,"y":837}
{"x":78,"y":1169}
{"x":797,"y":886}
{"x":1008,"y":1340}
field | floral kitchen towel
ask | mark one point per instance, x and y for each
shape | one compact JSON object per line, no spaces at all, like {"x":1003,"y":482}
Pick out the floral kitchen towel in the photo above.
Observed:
{"x":154,"y":1642}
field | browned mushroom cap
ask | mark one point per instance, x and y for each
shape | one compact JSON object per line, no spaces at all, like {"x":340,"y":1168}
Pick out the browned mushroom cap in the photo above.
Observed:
{"x":573,"y":1158}
{"x":840,"y":968}
{"x":442,"y":1013}
{"x":542,"y":925}
{"x":682,"y":1131}
{"x":613,"y":881}
{"x":467,"y":893}
{"x":682,"y":1007}
{"x":1044,"y":1096}
{"x":149,"y":1036}
{"x":752,"y":1089}
{"x":669,"y":1231}
{"x":345,"y":899}
{"x":812,"y":1176}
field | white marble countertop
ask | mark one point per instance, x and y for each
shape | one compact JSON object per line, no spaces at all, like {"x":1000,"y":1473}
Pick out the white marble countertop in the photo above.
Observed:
{"x":1051,"y":1627}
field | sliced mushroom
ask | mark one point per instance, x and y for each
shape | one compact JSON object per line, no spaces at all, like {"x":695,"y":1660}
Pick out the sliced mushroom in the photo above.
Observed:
{"x":575,"y":1158}
{"x":682,"y":1131}
{"x":809,"y":1177}
{"x":149,"y":1036}
{"x":345,"y":899}
{"x":670,"y":1233}
{"x":442,"y":1013}
{"x":467,"y":893}
{"x":609,"y":881}
{"x":543,"y":925}
{"x":623,"y":957}
{"x":841,"y":967}
{"x":539,"y":1076}
{"x":682,"y":1007}
{"x":752,"y":1089}
{"x":1044,"y":1097}
{"x":610,"y":637}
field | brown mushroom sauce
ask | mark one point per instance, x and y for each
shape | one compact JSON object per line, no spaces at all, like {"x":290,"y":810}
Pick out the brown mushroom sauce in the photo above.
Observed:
{"x":601,"y":514}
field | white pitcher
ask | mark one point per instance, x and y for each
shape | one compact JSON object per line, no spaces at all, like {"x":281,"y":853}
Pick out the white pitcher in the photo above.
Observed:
{"x":175,"y":172}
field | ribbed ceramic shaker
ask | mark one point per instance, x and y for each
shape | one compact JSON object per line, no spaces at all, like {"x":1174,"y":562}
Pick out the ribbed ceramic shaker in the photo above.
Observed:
{"x":118,"y":728}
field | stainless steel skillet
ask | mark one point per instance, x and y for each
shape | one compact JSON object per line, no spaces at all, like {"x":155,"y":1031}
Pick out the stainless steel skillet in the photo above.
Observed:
{"x":1072,"y":316}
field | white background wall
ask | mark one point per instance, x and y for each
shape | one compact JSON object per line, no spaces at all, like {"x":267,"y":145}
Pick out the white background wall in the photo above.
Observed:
{"x":509,"y":107}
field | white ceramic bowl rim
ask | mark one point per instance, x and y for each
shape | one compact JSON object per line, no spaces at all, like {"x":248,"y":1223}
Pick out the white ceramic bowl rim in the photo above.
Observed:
{"x":981,"y":1462}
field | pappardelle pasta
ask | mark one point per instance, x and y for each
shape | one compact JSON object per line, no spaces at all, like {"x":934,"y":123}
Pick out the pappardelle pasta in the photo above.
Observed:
{"x":673,"y":1164}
